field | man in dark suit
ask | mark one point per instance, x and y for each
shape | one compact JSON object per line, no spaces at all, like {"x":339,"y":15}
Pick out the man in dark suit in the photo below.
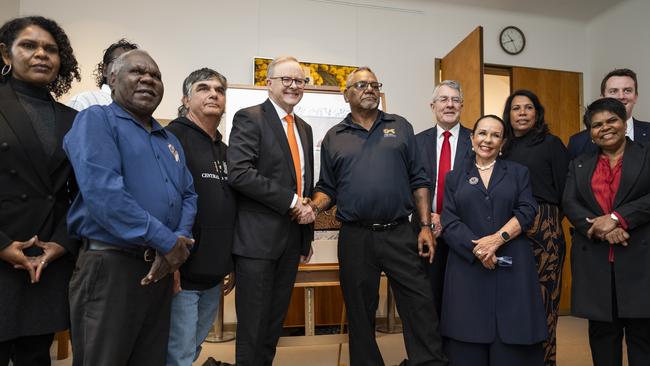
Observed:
{"x":619,"y":84}
{"x":271,"y":165}
{"x":442,"y":147}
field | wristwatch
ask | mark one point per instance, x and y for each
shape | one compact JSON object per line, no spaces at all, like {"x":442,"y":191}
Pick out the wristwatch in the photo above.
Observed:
{"x":615,"y":218}
{"x":430,"y":226}
{"x":505,"y":236}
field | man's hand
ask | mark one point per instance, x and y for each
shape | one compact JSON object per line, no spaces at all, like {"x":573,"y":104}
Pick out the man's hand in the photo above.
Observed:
{"x":179,"y":253}
{"x":228,"y":283}
{"x":306,"y":259}
{"x":617,"y":236}
{"x":51,"y":252}
{"x":600,"y":226}
{"x":437,"y":226}
{"x":426,"y":243}
{"x":302,"y":212}
{"x":177,"y":282}
{"x":13,"y":254}
{"x":159,"y":269}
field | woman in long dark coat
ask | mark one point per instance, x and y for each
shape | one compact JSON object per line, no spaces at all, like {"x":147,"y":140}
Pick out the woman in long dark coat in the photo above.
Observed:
{"x":36,"y":185}
{"x":607,"y":199}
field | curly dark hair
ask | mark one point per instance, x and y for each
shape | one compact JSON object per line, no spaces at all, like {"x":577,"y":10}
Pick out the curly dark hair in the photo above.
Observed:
{"x":123,"y":43}
{"x":540,"y":128}
{"x":69,"y":68}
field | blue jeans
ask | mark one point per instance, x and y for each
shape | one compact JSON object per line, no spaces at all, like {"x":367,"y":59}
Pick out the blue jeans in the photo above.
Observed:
{"x":193,"y":313}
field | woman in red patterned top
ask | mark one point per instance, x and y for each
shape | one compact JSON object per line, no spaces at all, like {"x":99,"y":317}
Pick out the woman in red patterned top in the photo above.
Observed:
{"x":607,"y":199}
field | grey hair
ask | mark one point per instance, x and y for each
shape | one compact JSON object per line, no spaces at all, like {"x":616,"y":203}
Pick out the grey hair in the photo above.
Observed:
{"x":449,"y":83}
{"x":120,"y":61}
{"x":276,"y":61}
{"x":193,"y":78}
{"x":358,"y":69}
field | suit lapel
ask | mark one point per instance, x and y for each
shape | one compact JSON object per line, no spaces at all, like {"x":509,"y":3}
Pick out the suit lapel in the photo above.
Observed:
{"x":584,"y":171}
{"x":431,"y":155}
{"x":304,"y":141}
{"x":641,"y":131}
{"x":272,"y":118}
{"x":633,"y":162}
{"x":463,"y":147}
{"x":473,"y":178}
{"x":17,"y":119}
{"x":497,"y":176}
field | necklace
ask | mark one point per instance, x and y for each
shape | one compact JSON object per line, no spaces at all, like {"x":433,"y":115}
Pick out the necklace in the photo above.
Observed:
{"x":484,"y":168}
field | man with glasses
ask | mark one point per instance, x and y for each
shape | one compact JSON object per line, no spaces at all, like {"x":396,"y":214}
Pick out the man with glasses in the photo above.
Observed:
{"x":102,"y":96}
{"x":442,"y":147}
{"x":271,"y":166}
{"x":619,"y":84}
{"x":371,"y":169}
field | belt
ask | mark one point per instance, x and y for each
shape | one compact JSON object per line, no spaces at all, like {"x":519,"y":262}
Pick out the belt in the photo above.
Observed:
{"x":380,"y":226}
{"x":147,"y":254}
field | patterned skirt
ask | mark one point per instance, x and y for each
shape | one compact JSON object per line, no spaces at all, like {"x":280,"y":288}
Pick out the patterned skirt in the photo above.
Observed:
{"x":549,"y":248}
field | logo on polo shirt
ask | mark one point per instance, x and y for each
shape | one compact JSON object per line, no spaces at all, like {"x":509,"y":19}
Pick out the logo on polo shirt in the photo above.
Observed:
{"x":389,"y":132}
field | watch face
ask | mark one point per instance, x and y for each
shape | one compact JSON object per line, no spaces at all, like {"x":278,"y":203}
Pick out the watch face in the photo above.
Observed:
{"x":505,"y":235}
{"x":512,"y":40}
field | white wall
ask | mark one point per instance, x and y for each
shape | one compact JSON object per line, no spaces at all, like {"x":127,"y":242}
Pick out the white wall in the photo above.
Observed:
{"x":398,"y":39}
{"x":619,"y":38}
{"x":9,"y":9}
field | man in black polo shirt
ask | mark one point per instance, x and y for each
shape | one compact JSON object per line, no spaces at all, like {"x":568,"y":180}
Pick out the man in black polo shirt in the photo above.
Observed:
{"x":370,"y":168}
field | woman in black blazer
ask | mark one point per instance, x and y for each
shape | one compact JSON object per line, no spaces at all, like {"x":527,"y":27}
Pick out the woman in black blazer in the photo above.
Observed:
{"x":35,"y":188}
{"x":492,"y":312}
{"x":607,"y":199}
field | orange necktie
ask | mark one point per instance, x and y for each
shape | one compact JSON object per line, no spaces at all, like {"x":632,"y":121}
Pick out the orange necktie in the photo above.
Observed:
{"x":295,"y":153}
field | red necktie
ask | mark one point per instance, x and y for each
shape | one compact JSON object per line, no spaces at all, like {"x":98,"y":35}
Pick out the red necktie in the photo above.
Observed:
{"x":295,"y":153}
{"x":443,"y":167}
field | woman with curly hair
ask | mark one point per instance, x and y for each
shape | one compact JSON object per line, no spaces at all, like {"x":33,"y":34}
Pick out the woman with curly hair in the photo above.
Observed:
{"x":530,"y":143}
{"x":36,"y":186}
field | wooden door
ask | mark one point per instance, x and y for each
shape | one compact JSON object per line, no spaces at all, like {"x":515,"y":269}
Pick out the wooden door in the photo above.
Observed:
{"x":560,"y":92}
{"x":465,"y":64}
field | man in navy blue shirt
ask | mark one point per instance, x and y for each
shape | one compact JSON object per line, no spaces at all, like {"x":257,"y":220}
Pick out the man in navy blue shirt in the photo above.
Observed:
{"x":370,"y":167}
{"x":134,"y":212}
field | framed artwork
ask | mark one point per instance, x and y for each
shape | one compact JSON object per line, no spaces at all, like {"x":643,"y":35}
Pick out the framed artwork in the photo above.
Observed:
{"x":319,"y":74}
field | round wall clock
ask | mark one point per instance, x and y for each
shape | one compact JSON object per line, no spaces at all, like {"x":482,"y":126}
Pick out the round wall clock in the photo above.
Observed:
{"x":512,"y":40}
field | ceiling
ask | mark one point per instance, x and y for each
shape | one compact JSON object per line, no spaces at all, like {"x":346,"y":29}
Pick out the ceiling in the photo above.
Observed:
{"x":572,"y":9}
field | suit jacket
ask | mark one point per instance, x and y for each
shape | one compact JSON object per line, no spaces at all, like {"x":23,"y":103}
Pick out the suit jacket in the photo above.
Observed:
{"x":509,"y":297}
{"x":35,"y":191}
{"x":581,"y":143}
{"x":591,"y":290}
{"x":427,"y":141}
{"x":261,"y":170}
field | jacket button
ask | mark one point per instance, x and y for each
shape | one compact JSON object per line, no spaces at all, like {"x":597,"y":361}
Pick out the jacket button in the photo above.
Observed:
{"x":49,"y":197}
{"x":4,"y":146}
{"x":13,"y":172}
{"x":23,"y":197}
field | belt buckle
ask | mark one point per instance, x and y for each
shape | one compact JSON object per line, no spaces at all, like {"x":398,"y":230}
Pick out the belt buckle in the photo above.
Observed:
{"x":380,"y":227}
{"x":149,"y":255}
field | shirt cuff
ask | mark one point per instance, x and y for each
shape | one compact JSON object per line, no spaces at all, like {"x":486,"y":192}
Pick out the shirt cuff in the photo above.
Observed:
{"x":294,"y":201}
{"x":621,"y":220}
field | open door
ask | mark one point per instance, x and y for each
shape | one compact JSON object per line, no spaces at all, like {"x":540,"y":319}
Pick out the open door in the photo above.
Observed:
{"x":560,"y":92}
{"x":464,"y":63}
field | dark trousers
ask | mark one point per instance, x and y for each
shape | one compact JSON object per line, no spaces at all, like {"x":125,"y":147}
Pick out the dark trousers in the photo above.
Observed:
{"x":262,"y":298}
{"x":606,"y":338}
{"x":114,"y":319}
{"x":493,"y":354}
{"x":363,"y":255}
{"x":437,"y":273}
{"x":27,"y":351}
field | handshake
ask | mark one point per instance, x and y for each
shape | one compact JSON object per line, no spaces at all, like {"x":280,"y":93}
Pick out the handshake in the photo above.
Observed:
{"x":304,"y":212}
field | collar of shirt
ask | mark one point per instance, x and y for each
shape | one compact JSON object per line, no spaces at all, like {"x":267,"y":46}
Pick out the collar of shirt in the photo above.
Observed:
{"x":122,"y":113}
{"x":106,"y":89}
{"x":281,"y":112}
{"x":349,"y":123}
{"x":629,"y":128}
{"x":454,"y":131}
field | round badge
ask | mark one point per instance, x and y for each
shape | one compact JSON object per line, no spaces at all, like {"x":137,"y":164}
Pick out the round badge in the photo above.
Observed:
{"x":473,"y":180}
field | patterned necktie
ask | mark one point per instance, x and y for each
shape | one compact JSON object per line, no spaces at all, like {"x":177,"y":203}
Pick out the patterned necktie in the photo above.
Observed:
{"x":295,"y":153}
{"x":443,"y":167}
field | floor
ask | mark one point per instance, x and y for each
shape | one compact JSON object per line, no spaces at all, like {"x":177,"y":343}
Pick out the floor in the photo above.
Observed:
{"x":573,"y":349}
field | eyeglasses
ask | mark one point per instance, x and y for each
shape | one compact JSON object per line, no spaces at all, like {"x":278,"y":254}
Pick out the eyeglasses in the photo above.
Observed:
{"x":445,"y":99}
{"x":362,"y":85}
{"x":287,"y":81}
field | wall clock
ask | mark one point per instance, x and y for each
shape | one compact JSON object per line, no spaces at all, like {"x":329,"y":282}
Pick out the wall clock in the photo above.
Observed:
{"x":512,"y":40}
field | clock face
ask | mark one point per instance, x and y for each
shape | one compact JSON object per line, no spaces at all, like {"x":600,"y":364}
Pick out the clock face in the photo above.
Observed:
{"x":512,"y":40}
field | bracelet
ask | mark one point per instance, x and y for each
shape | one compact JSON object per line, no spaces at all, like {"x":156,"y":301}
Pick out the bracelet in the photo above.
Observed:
{"x":424,"y":224}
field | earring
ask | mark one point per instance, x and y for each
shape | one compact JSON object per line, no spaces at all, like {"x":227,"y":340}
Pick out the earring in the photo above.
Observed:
{"x":472,"y":148}
{"x":5,"y":70}
{"x":500,"y":153}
